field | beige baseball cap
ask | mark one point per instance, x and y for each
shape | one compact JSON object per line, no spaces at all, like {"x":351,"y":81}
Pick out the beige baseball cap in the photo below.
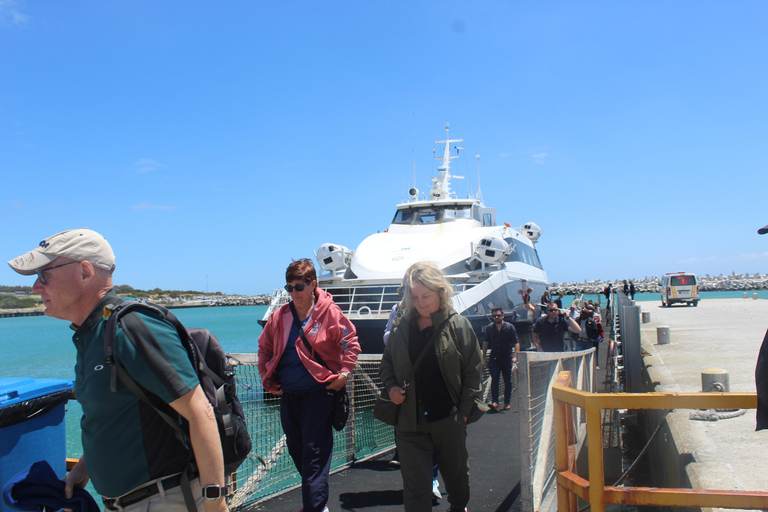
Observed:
{"x":75,"y":244}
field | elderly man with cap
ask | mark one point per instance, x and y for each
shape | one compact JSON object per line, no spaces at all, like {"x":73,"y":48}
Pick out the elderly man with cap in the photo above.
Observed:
{"x":129,"y":453}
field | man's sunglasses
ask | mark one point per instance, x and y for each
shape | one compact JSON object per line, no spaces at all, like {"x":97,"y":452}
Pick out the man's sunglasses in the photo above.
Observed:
{"x":41,"y":275}
{"x":498,"y":315}
{"x":299,"y":287}
{"x":552,"y":310}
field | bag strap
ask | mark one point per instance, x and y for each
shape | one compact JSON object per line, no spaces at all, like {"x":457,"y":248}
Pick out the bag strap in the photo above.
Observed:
{"x":297,"y":323}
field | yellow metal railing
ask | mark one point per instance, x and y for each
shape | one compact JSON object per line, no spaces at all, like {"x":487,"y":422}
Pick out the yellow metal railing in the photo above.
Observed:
{"x":594,"y":491}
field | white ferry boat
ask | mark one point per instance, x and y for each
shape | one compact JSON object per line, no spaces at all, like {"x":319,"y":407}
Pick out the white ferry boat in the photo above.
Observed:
{"x":488,"y":264}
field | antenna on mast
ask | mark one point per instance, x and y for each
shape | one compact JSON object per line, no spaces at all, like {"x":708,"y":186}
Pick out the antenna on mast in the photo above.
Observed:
{"x":479,"y":192}
{"x":413,"y":145}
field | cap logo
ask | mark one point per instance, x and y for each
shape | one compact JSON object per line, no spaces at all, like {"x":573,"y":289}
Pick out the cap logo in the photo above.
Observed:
{"x":44,"y":244}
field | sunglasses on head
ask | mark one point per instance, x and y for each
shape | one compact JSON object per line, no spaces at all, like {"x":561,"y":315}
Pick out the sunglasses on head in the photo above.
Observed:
{"x":299,"y":287}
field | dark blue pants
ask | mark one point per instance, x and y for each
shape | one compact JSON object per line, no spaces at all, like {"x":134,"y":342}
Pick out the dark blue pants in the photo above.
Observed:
{"x":306,"y":419}
{"x":501,"y":365}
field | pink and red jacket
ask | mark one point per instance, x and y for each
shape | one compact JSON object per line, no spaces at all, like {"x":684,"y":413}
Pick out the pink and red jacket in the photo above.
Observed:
{"x":329,"y":333}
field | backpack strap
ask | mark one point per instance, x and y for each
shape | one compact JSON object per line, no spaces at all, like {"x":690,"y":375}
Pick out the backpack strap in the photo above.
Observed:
{"x":134,"y":327}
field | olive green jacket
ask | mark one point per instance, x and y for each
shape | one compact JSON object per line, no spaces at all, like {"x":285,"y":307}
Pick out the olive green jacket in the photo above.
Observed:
{"x":459,"y":357}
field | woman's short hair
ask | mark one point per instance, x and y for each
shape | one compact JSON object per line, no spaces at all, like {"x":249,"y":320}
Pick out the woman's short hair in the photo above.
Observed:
{"x":430,"y":276}
{"x":302,"y":269}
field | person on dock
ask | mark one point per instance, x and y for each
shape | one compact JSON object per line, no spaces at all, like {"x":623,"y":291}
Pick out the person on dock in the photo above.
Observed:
{"x":501,"y":338}
{"x":631,"y":290}
{"x":395,"y":460}
{"x":549,"y":331}
{"x":130,"y":454}
{"x":625,"y":288}
{"x":607,"y":292}
{"x":307,"y":351}
{"x":761,"y":374}
{"x":436,"y":406}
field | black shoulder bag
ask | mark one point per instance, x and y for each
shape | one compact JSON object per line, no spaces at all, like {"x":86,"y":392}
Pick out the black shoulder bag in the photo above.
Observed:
{"x":340,"y":411}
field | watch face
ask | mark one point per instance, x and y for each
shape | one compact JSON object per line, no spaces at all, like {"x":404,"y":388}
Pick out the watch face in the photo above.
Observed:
{"x":213,"y":492}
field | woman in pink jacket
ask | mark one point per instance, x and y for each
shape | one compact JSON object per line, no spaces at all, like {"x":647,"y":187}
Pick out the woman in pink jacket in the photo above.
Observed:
{"x":290,"y":369}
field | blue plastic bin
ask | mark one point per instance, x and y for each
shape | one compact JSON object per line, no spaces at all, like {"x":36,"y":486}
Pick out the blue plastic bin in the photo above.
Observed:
{"x":32,"y":426}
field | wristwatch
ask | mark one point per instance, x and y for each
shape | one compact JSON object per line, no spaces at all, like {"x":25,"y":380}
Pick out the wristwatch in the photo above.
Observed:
{"x":214,"y":492}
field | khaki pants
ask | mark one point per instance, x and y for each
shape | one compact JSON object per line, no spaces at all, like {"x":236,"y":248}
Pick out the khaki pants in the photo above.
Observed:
{"x":171,"y":500}
{"x":447,"y":440}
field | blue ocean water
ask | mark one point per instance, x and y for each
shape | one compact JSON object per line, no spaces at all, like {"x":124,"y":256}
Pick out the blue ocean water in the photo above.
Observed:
{"x":40,"y":347}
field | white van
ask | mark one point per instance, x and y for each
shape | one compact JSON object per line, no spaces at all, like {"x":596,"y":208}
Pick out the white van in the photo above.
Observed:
{"x":679,"y":287}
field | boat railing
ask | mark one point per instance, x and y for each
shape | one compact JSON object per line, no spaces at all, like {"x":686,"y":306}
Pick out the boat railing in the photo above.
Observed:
{"x":365,"y":301}
{"x":572,"y":404}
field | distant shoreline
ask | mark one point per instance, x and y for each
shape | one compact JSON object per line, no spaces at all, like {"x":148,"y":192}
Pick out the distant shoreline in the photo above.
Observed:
{"x":256,"y":300}
{"x":706,"y":283}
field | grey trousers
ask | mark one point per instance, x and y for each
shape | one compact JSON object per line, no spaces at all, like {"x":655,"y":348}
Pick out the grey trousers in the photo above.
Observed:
{"x":447,"y":440}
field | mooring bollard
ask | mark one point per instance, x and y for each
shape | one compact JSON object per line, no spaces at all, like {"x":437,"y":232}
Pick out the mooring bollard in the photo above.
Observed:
{"x":754,"y":296}
{"x":745,"y":295}
{"x":662,"y":335}
{"x":646,"y":317}
{"x":714,"y":380}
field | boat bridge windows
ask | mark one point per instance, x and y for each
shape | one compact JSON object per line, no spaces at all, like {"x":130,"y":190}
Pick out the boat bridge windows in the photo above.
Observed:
{"x":523,"y":253}
{"x":434,"y":214}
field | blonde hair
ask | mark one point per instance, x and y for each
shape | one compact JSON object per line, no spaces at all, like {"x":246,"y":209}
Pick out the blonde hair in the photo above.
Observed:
{"x":430,"y":276}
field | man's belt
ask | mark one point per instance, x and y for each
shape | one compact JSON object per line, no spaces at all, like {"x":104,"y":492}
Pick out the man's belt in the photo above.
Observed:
{"x":141,"y":494}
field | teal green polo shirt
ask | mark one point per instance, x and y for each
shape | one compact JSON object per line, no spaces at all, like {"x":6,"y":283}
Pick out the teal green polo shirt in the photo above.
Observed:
{"x":125,"y":442}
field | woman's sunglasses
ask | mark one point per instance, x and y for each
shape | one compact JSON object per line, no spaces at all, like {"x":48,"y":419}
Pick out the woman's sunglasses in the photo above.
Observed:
{"x":299,"y":287}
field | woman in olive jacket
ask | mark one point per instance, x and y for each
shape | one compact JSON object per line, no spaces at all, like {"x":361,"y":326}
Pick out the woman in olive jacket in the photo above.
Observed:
{"x":435,"y":406}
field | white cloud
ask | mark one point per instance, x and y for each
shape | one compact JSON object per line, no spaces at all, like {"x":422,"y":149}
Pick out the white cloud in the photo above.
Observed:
{"x":148,"y":206}
{"x":11,"y":15}
{"x":538,"y":158}
{"x":147,"y":164}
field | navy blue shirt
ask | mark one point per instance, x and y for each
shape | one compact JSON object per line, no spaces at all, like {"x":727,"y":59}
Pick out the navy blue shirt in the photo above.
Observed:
{"x":551,"y":333}
{"x":501,"y":342}
{"x":292,"y":375}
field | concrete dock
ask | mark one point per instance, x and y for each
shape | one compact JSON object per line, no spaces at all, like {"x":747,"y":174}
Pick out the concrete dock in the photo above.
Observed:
{"x":723,"y":334}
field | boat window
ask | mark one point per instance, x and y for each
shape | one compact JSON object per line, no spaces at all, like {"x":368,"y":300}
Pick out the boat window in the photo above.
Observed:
{"x":457,"y":212}
{"x":432,"y":214}
{"x":523,"y":253}
{"x":487,"y":219}
{"x":427,"y":216}
{"x":403,"y":217}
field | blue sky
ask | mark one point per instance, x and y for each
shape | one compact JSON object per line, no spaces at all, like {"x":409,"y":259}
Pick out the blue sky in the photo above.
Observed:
{"x":213,"y":142}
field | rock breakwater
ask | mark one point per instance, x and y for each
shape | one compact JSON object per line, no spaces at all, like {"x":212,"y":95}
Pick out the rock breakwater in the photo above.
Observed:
{"x":706,"y":283}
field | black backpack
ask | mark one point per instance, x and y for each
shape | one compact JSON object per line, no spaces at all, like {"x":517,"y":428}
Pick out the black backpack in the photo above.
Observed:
{"x":216,"y":375}
{"x":593,"y":333}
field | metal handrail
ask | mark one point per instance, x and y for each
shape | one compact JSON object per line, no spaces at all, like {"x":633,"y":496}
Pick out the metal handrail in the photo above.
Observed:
{"x":570,"y":485}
